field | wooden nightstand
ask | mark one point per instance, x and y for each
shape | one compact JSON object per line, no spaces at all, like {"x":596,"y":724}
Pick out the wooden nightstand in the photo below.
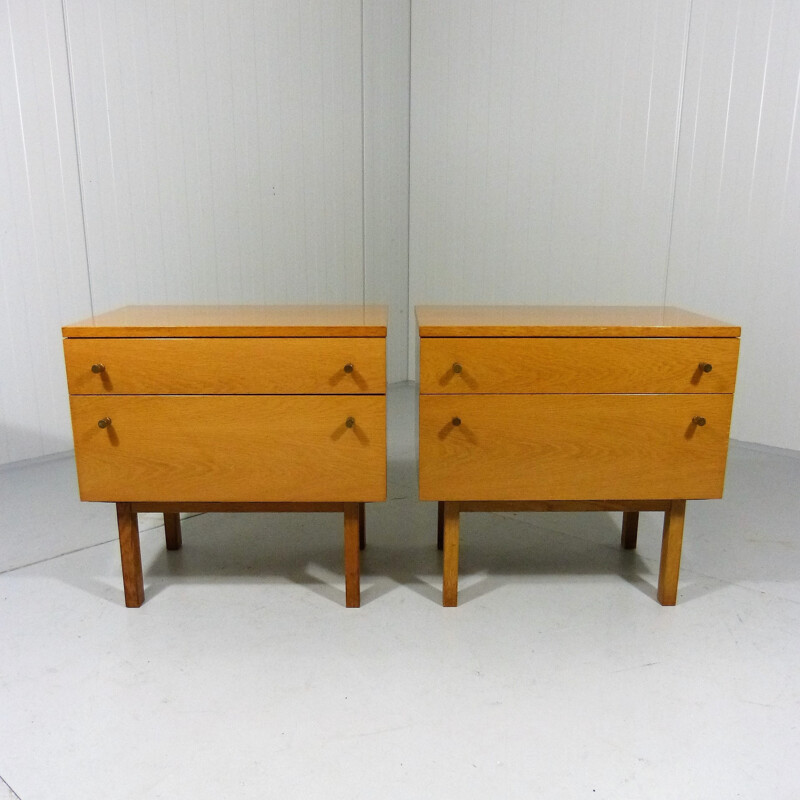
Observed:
{"x":558,"y":408}
{"x":241,"y":408}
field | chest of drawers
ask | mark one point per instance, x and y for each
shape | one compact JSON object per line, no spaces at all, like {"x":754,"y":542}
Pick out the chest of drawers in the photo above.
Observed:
{"x":556,"y":408}
{"x":229,"y":408}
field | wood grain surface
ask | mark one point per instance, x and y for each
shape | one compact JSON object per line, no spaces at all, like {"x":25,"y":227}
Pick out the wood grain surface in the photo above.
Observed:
{"x":230,"y":448}
{"x":572,"y":447}
{"x":559,"y":365}
{"x":567,"y":321}
{"x":149,"y":321}
{"x":277,"y":365}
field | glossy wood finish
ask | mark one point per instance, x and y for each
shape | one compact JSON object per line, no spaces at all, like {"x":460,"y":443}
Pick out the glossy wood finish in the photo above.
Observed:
{"x":562,"y":408}
{"x":230,"y":408}
{"x":236,"y":321}
{"x":228,"y":448}
{"x":131,"y":555}
{"x":572,"y":447}
{"x":560,"y":365}
{"x":570,"y":321}
{"x":172,"y":530}
{"x":246,"y":365}
{"x":671,"y":545}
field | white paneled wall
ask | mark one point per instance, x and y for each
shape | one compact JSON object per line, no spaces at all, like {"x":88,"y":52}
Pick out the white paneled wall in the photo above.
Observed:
{"x":43,"y":278}
{"x":386,"y":165}
{"x":736,"y":239}
{"x":543,"y":147}
{"x":619,"y":151}
{"x":221,"y":149}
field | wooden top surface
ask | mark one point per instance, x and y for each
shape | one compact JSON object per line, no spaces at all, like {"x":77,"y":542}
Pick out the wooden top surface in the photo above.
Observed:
{"x":567,"y":321}
{"x":153,"y":321}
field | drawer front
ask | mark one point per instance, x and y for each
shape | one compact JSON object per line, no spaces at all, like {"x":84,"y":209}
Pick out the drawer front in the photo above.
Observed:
{"x":564,"y":365}
{"x":230,"y":448}
{"x":227,"y":366}
{"x":572,"y":447}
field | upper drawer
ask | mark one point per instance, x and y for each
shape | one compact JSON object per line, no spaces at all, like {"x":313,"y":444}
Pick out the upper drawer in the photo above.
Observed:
{"x":579,"y":365}
{"x":227,"y":366}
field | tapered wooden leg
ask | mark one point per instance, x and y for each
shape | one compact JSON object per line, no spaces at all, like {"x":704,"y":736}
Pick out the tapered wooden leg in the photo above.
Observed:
{"x":172,"y":530}
{"x":132,"y":579}
{"x":352,"y":569}
{"x":362,"y":526}
{"x":450,"y":526}
{"x":671,"y":553}
{"x":630,"y":527}
{"x":440,"y":527}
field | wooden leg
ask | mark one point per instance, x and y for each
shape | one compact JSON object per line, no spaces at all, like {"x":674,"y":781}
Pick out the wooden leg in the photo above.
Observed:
{"x":630,"y":527}
{"x":671,"y":553}
{"x":172,"y":530}
{"x":352,"y":570}
{"x":132,"y":579}
{"x":440,"y":527}
{"x":450,"y":546}
{"x":362,"y":526}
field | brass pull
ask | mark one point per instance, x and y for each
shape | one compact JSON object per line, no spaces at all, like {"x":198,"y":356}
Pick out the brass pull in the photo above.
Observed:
{"x":705,"y":367}
{"x":457,"y":368}
{"x":98,"y":368}
{"x":456,"y":421}
{"x":699,"y":421}
{"x":350,"y":421}
{"x":104,"y":423}
{"x":348,"y":368}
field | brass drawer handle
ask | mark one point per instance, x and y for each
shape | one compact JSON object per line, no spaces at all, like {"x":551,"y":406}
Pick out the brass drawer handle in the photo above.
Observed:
{"x":348,"y":368}
{"x":699,"y":421}
{"x":457,"y":368}
{"x":350,"y":422}
{"x":456,"y":421}
{"x":104,"y":423}
{"x":98,"y":368}
{"x":705,"y":367}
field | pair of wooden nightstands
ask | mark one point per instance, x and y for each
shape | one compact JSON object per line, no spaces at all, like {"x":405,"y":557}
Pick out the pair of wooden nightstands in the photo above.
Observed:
{"x":284,"y":409}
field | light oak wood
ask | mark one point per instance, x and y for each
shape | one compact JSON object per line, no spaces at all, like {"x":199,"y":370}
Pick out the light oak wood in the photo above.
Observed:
{"x":131,"y":555}
{"x":630,"y":529}
{"x":572,"y":447}
{"x":352,"y":568}
{"x":230,"y":448}
{"x":562,"y":365}
{"x":172,"y":530}
{"x":244,"y":365}
{"x":237,"y":321}
{"x":571,"y":321}
{"x":671,"y":544}
{"x":450,"y":560}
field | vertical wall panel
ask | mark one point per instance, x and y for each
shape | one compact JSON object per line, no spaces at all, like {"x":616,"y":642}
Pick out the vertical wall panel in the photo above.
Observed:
{"x":43,"y":278}
{"x":386,"y":165}
{"x":736,"y":239}
{"x":543,"y":141}
{"x":221,"y":149}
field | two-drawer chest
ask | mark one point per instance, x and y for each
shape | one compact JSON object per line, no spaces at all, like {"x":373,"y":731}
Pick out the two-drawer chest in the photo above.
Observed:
{"x":571,"y":408}
{"x":246,"y":408}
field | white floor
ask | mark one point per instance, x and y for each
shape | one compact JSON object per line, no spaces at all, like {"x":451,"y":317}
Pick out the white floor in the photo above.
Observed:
{"x":243,"y":675}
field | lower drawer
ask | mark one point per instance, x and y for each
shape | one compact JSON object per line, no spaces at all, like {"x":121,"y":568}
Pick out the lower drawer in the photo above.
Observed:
{"x":572,"y":447}
{"x":245,"y":448}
